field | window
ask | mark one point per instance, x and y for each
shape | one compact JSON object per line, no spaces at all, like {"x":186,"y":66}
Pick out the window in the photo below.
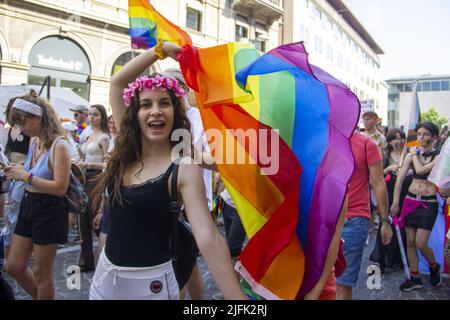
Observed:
{"x":445,"y":85}
{"x":373,"y":84}
{"x":260,"y":41}
{"x":193,"y":19}
{"x":348,"y":66}
{"x":435,"y":86}
{"x":408,"y":87}
{"x":426,"y":86}
{"x":304,"y":34}
{"x":260,"y":45}
{"x":318,"y":44}
{"x":330,"y":53}
{"x":315,"y":12}
{"x":241,"y":32}
{"x":340,"y":59}
{"x":326,"y":22}
{"x":400,"y":87}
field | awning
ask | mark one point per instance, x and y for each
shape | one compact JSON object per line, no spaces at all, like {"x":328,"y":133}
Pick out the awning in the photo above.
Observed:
{"x":62,"y":99}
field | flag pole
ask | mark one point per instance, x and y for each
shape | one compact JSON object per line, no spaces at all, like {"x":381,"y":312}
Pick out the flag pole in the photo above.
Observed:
{"x":409,"y":121}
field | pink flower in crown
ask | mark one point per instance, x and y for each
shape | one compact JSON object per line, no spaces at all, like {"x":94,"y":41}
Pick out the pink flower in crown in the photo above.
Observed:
{"x":148,"y":84}
{"x":135,"y":86}
{"x":127,"y":96}
{"x":158,"y":81}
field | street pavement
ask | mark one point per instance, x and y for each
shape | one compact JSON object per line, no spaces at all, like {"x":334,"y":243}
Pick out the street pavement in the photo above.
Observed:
{"x":388,"y":289}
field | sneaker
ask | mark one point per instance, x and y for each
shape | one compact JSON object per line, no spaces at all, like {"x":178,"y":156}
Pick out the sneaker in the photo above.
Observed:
{"x":410,"y":285}
{"x":435,"y":275}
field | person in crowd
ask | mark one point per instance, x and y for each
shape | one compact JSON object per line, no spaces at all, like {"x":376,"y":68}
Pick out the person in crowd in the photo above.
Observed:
{"x":42,"y":222}
{"x":93,"y":150}
{"x":371,"y":123}
{"x":101,"y":219}
{"x":356,"y":226}
{"x":420,"y":206}
{"x":389,"y":255}
{"x":81,"y":116}
{"x":136,"y":261}
{"x":443,"y":136}
{"x":440,"y":177}
{"x":16,"y":151}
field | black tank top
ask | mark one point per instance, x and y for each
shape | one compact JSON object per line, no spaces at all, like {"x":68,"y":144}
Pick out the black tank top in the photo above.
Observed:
{"x":431,"y":154}
{"x":20,"y":145}
{"x":139,"y":232}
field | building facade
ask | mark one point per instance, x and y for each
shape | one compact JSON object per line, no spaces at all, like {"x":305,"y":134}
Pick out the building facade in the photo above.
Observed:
{"x":81,"y":43}
{"x":338,"y":43}
{"x":433,"y":92}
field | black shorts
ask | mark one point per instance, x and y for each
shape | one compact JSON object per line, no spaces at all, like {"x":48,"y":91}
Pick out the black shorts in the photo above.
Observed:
{"x":43,"y":218}
{"x":423,"y":218}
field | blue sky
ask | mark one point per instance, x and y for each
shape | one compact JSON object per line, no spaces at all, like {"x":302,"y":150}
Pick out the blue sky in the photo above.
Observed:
{"x":414,"y":34}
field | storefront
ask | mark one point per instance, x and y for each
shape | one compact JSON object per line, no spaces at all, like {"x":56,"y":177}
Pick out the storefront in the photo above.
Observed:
{"x":64,"y":61}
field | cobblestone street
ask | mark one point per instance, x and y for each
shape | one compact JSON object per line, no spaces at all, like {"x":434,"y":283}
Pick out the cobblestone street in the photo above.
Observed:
{"x":390,"y":281}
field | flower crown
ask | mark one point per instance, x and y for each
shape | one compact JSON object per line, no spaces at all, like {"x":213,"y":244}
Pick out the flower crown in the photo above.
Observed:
{"x":147,"y":84}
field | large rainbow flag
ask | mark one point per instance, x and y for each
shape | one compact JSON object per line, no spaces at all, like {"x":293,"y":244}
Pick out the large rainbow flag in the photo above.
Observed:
{"x":289,"y":213}
{"x":147,"y":25}
{"x":315,"y":115}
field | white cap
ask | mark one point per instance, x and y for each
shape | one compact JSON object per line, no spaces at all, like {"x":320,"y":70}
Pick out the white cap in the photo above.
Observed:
{"x":69,"y":126}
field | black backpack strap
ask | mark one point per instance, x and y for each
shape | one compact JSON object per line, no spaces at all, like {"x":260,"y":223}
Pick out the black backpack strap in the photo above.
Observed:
{"x":174,"y":208}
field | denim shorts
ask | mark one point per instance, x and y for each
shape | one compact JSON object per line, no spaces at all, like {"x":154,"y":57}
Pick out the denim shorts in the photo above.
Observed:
{"x":355,"y":234}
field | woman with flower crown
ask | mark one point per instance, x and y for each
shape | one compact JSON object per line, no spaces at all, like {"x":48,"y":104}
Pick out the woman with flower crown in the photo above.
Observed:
{"x":136,"y":262}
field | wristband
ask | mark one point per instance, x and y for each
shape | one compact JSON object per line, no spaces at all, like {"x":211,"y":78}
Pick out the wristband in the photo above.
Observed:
{"x":29,"y":179}
{"x":158,"y":50}
{"x":387,"y":219}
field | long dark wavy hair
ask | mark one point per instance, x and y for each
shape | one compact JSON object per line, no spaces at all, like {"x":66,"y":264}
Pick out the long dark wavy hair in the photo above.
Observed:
{"x":104,"y":122}
{"x":128,"y":148}
{"x":391,"y":135}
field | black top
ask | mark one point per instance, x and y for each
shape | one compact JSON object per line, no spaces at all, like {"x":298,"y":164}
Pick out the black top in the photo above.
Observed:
{"x":139,"y":232}
{"x":431,"y":154}
{"x":20,"y":145}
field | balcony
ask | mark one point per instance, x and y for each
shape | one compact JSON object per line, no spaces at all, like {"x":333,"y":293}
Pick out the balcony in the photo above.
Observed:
{"x":270,"y":9}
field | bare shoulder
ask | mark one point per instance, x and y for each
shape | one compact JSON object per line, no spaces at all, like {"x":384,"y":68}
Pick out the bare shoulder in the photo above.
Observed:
{"x":189,"y":171}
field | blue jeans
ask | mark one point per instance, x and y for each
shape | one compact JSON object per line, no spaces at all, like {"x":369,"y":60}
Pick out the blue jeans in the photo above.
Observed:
{"x":355,"y":234}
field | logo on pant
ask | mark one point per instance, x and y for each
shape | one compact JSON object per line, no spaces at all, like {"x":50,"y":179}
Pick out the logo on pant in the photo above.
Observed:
{"x":156,"y":286}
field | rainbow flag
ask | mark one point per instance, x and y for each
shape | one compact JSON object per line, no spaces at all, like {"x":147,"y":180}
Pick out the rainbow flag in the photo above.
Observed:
{"x":147,"y":25}
{"x":290,"y":217}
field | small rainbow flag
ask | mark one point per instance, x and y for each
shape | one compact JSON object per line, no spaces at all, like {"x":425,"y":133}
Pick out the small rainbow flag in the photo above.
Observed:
{"x":147,"y":25}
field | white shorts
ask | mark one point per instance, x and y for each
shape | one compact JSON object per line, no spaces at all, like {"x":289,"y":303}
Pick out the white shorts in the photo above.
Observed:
{"x":112,"y":282}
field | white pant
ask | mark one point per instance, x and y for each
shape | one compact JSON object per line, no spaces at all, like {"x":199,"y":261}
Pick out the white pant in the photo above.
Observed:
{"x":112,"y":282}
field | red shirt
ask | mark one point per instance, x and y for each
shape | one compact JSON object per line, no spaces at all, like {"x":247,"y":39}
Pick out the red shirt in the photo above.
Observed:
{"x":366,"y":153}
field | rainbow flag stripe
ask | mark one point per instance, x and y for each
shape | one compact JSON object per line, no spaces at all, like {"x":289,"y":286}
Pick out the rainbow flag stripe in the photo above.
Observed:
{"x":147,"y":25}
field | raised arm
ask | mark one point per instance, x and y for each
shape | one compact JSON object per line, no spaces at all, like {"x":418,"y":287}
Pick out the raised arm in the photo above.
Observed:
{"x":419,"y":167}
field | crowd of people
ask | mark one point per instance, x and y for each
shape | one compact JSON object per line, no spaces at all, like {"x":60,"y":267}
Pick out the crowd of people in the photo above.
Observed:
{"x":127,"y":164}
